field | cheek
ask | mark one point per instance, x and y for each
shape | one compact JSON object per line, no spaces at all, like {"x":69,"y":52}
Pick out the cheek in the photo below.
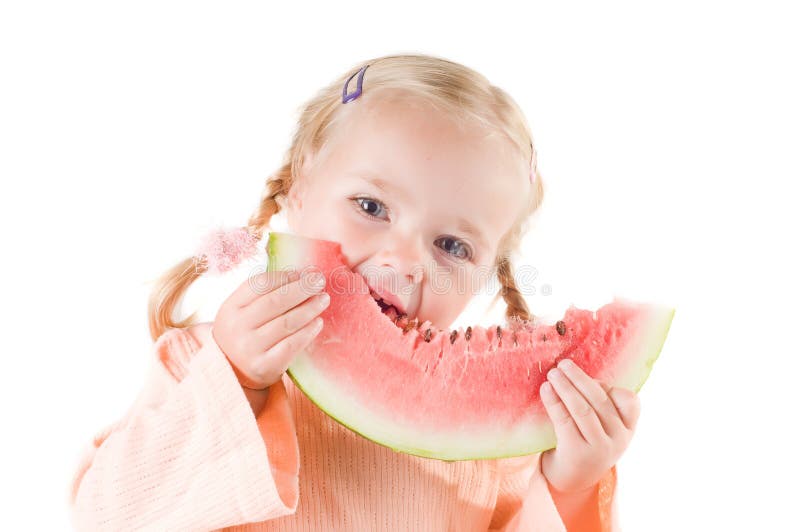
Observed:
{"x":323,"y":218}
{"x":444,"y":302}
{"x":347,"y":227}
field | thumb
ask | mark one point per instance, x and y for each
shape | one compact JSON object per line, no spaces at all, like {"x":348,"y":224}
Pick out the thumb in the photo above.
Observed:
{"x":628,"y":406}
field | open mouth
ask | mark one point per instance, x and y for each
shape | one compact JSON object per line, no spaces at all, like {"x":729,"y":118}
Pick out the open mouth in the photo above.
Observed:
{"x":389,"y":310}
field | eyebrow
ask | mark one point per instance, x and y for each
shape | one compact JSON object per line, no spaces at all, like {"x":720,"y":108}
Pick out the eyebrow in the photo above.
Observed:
{"x":383,"y":184}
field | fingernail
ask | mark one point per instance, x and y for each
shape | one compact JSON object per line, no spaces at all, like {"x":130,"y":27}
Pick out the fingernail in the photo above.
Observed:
{"x":316,"y":280}
{"x":566,"y":363}
{"x":553,"y":374}
{"x":317,"y":325}
{"x":324,"y":299}
{"x":546,"y":389}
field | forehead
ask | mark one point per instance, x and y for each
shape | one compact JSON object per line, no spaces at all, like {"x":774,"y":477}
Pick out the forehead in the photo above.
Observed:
{"x":416,"y":131}
{"x":451,"y":167}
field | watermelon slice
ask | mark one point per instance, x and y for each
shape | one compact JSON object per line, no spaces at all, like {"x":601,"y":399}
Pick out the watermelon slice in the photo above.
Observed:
{"x":453,"y":395}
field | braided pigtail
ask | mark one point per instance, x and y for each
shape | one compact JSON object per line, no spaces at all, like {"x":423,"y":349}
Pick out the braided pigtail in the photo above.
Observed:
{"x":516,"y":307}
{"x":170,"y":287}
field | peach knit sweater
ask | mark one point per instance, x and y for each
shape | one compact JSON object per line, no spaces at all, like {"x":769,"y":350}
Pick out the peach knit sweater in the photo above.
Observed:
{"x":190,"y":455}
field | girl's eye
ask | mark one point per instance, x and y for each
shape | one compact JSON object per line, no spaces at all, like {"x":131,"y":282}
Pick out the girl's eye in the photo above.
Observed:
{"x":372,"y":207}
{"x":453,"y":246}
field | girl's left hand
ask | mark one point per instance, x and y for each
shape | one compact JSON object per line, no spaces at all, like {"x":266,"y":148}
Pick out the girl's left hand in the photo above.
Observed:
{"x":593,"y":423}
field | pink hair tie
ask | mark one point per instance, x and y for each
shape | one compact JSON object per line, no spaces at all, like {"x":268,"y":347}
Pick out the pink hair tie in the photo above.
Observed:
{"x":222,"y":249}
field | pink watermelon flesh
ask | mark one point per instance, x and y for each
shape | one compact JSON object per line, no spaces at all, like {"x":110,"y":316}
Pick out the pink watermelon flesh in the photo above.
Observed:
{"x":471,"y":398}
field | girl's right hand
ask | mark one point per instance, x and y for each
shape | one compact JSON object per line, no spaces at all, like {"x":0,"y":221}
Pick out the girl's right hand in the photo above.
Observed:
{"x":266,"y":321}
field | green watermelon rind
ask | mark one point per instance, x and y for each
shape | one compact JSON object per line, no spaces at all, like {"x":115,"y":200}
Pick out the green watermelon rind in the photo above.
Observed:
{"x":654,"y":336}
{"x":291,"y":253}
{"x":302,"y":373}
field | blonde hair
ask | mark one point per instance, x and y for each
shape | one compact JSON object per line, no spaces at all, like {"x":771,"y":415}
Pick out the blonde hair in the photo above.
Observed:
{"x":453,"y":88}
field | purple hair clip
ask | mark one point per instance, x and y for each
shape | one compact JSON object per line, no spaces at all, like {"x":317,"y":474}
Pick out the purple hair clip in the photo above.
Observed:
{"x":350,"y":97}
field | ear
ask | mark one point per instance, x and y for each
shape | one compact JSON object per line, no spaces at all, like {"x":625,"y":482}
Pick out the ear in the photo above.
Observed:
{"x":292,"y":206}
{"x":292,"y":203}
{"x":294,"y":198}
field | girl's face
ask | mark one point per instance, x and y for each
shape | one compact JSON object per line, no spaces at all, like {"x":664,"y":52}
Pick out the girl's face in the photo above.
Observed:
{"x":418,"y":204}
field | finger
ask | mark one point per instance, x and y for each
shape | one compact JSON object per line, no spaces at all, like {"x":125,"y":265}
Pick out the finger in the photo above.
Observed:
{"x":292,"y":320}
{"x":564,"y":426}
{"x":280,"y":356}
{"x":258,"y":285}
{"x":582,"y":412}
{"x":271,"y":305}
{"x":597,"y":397}
{"x":628,"y":405}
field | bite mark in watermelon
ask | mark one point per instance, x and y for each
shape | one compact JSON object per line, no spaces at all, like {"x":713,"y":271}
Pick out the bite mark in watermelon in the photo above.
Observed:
{"x":461,"y":394}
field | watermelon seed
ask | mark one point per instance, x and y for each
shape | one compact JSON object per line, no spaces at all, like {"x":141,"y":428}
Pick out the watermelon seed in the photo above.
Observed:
{"x":561,"y":327}
{"x":468,"y":333}
{"x":514,"y":337}
{"x":499,"y":333}
{"x":427,"y":336}
{"x":544,"y":338}
{"x":453,"y":336}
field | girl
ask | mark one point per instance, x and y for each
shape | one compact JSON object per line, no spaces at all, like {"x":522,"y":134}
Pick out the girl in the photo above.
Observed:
{"x":425,"y":167}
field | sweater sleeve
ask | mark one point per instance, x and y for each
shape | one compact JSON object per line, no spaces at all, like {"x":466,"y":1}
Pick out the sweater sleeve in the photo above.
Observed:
{"x":524,"y":502}
{"x":189,"y":454}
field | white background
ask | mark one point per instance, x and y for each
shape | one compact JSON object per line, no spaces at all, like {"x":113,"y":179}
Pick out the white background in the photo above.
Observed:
{"x":668,"y":140}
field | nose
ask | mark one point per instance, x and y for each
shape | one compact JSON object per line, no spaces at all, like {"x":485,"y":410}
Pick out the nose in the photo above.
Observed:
{"x":404,"y":253}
